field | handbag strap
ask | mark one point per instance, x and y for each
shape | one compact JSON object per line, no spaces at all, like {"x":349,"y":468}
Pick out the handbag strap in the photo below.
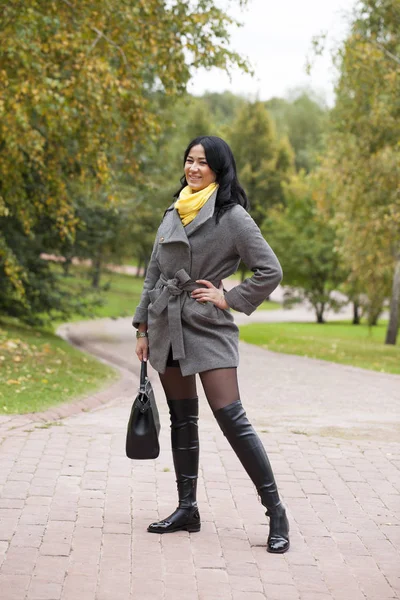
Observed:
{"x":143,"y":376}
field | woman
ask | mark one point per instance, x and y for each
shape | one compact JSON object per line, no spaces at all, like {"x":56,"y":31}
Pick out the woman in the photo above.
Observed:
{"x":185,"y":327}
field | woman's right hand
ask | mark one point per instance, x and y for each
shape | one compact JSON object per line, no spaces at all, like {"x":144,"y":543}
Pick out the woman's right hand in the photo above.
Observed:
{"x":142,"y":348}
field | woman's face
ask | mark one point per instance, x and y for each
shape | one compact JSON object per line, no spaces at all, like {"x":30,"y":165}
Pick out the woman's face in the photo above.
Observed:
{"x":197,"y":172}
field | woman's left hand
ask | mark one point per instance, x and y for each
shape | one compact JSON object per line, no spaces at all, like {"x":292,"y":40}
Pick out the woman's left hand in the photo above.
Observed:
{"x":210,"y":294}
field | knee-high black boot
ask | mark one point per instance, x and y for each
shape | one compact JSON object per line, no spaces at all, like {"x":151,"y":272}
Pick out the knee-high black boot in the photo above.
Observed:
{"x":247,"y":445}
{"x":185,"y":451}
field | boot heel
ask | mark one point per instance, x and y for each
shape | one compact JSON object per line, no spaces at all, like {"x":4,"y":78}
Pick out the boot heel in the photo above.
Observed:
{"x":193,"y":528}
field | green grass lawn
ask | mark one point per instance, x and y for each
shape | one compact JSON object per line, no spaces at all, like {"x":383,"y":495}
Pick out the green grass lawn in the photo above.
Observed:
{"x":120,"y":298}
{"x":339,"y":342}
{"x":38,"y":369}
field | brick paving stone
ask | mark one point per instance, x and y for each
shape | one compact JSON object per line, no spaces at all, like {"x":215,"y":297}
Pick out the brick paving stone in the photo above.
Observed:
{"x":243,"y":568}
{"x":3,"y":550}
{"x":55,"y":549}
{"x":13,"y":587}
{"x":206,"y":589}
{"x":19,"y":561}
{"x":28,"y":536}
{"x":317,"y":596}
{"x":212,"y":560}
{"x":43,"y":590}
{"x":280,"y":592}
{"x":51,"y":568}
{"x":245,"y":583}
{"x":238,"y":595}
{"x":79,"y":586}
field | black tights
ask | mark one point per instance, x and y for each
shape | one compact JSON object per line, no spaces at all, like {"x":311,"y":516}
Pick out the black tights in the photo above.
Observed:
{"x":220,"y":386}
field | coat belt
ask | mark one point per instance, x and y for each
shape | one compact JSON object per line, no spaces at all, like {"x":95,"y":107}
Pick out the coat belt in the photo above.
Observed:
{"x":171,"y":297}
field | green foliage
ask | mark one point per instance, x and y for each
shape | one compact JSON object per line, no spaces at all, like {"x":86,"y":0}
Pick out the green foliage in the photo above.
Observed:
{"x":305,"y":240}
{"x":40,"y":294}
{"x":97,"y":236}
{"x":77,"y":82}
{"x":363,"y":163}
{"x":223,"y":107}
{"x":264,"y":162}
{"x":303,"y":118}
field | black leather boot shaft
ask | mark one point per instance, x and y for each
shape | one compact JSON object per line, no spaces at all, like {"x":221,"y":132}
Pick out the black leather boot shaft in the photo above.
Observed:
{"x":248,"y":447}
{"x":184,"y":416}
{"x":250,"y":451}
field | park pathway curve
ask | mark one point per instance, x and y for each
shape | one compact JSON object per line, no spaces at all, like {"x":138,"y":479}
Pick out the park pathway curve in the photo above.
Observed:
{"x":74,"y":509}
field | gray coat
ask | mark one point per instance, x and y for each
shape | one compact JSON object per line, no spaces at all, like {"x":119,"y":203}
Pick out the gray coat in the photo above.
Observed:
{"x":202,"y":336}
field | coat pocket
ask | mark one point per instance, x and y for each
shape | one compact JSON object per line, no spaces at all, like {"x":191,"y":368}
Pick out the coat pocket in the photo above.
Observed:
{"x":207,"y":312}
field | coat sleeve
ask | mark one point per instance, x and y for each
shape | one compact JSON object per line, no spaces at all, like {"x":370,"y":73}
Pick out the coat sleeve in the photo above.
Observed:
{"x":152,"y":276}
{"x":259,"y":257}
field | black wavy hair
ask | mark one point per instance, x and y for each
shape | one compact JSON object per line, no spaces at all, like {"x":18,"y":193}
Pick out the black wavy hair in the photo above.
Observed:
{"x":220,"y":160}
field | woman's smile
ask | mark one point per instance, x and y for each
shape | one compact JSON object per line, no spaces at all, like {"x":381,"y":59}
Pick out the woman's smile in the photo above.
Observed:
{"x":197,"y":172}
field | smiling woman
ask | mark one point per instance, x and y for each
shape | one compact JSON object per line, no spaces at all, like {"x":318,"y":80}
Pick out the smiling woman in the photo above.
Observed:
{"x":197,"y":171}
{"x":186,"y":328}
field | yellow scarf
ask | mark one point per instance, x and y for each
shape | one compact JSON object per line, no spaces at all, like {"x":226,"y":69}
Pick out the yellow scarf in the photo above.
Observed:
{"x":189,"y":203}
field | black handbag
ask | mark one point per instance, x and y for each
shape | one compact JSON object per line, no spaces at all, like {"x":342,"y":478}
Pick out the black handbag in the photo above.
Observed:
{"x":144,"y":422}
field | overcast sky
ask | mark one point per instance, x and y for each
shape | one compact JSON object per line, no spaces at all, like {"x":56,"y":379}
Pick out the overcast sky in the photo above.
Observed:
{"x":276,"y":37}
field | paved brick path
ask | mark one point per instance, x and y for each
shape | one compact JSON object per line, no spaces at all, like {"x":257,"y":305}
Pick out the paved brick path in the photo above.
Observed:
{"x":74,"y":509}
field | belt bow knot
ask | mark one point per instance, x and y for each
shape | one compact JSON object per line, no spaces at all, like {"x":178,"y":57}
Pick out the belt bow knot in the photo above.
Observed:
{"x":171,"y":297}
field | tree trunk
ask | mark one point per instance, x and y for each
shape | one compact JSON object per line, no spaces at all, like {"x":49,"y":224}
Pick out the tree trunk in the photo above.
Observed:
{"x":356,"y":313}
{"x":393,"y":325}
{"x":66,"y":265}
{"x":373,"y":316}
{"x":319,"y":310}
{"x":139,"y":267}
{"x":96,"y":271}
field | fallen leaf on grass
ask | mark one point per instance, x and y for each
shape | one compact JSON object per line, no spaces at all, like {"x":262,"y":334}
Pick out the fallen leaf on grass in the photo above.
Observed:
{"x":11,"y":344}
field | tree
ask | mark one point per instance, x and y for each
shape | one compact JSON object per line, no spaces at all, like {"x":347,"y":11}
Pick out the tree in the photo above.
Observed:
{"x":223,"y":107}
{"x":303,"y":118}
{"x":77,"y":85}
{"x":305,"y":242}
{"x":364,"y":159}
{"x":264,"y":163}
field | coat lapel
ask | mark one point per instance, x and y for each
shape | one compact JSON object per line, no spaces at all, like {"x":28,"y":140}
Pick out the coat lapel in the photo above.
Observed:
{"x":172,"y":229}
{"x":205,"y":213}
